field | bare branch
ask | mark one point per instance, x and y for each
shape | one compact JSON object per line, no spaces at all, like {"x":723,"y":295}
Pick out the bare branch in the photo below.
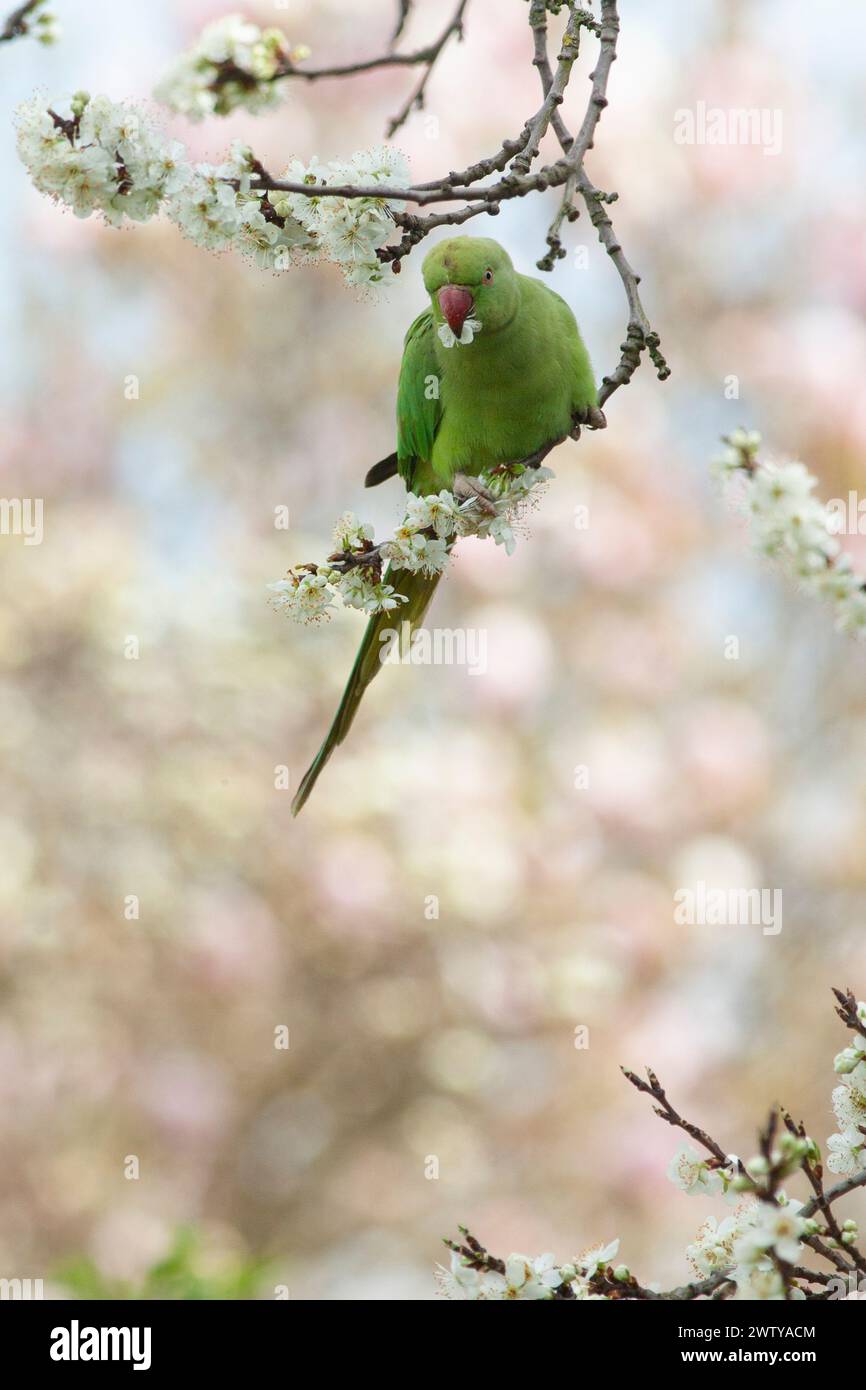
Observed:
{"x":814,"y":1172}
{"x":663,"y":1108}
{"x":839,"y":1189}
{"x":427,"y":55}
{"x":415,"y":101}
{"x":16,"y":26}
{"x":639,"y":334}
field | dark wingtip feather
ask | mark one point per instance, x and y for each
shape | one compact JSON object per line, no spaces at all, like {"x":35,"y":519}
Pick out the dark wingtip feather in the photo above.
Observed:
{"x":381,"y":471}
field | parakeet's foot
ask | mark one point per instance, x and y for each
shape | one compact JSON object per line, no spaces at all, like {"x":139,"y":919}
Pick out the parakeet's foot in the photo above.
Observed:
{"x":592,"y":416}
{"x":465,"y":487}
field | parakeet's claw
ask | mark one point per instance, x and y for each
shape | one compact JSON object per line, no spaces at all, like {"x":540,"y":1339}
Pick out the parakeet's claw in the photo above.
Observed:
{"x":466,"y":488}
{"x":592,"y":416}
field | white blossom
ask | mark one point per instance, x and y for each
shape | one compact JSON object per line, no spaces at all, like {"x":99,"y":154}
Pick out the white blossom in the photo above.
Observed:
{"x":99,"y":156}
{"x":712,"y":1250}
{"x":691,"y":1173}
{"x":501,"y":532}
{"x":420,"y":554}
{"x":759,"y":1282}
{"x":218,"y":209}
{"x":382,"y":598}
{"x":791,"y":526}
{"x":412,"y":547}
{"x":460,"y":1281}
{"x":348,"y":231}
{"x":350,"y":533}
{"x":776,"y":1228}
{"x":449,"y":338}
{"x":232,"y":64}
{"x":597,"y":1258}
{"x":524,"y":1278}
{"x":442,"y":509}
{"x":418,"y":516}
{"x":845,"y":1153}
{"x":306,"y":597}
{"x":849,"y":1105}
{"x":847,"y":1149}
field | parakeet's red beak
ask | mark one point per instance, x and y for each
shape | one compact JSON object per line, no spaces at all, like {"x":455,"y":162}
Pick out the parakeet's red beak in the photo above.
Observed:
{"x":456,"y":304}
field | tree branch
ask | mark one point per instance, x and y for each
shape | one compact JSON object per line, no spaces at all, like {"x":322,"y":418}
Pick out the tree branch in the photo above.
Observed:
{"x":518,"y":180}
{"x":663,"y":1108}
{"x":639,"y":334}
{"x":839,"y":1189}
{"x":17,"y":23}
{"x":427,"y":55}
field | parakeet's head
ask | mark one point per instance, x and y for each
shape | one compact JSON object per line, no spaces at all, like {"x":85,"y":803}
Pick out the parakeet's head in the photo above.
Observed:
{"x":470,"y":280}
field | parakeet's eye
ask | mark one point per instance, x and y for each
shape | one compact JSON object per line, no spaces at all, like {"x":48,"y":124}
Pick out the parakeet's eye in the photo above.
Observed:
{"x":488,"y":277}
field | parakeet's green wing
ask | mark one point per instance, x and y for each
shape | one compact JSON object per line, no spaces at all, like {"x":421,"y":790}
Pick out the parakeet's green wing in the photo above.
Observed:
{"x":585,"y":393}
{"x":419,"y":408}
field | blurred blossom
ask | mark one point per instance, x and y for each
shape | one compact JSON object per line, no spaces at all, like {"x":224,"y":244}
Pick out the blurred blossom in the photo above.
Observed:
{"x":185,"y":1096}
{"x":715,"y":860}
{"x":289,"y":1134}
{"x":461,"y":1060}
{"x":126,"y":1242}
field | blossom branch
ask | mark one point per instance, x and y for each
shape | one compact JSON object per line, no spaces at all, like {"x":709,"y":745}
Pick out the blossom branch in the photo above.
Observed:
{"x":489,"y":506}
{"x":346,"y":211}
{"x":753,"y":1254}
{"x":663,"y":1108}
{"x":791,"y":526}
{"x":822,"y":1201}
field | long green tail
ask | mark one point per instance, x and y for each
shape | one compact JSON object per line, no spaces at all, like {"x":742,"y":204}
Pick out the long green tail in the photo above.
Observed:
{"x":418,"y":590}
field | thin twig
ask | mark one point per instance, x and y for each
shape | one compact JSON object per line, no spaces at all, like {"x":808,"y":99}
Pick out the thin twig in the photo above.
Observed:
{"x":415,"y":100}
{"x":428,"y":55}
{"x":404,"y":9}
{"x":839,"y":1189}
{"x":663,"y":1108}
{"x":846,"y":1008}
{"x":814,"y":1172}
{"x":513,"y":162}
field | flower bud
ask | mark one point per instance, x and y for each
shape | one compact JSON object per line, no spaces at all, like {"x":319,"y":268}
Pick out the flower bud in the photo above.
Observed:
{"x":846,"y":1061}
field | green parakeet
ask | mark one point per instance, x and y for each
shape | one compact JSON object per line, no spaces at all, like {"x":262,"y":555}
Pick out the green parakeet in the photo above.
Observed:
{"x":494,"y":371}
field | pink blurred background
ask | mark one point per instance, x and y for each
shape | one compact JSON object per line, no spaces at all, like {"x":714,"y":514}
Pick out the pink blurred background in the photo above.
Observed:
{"x":411,"y":1037}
